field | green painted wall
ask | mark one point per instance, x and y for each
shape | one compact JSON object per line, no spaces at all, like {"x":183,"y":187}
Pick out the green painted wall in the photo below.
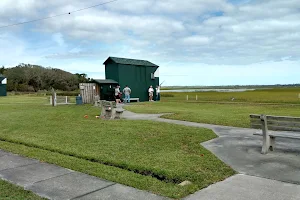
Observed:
{"x":138,"y":78}
{"x":112,"y":71}
{"x":3,"y":90}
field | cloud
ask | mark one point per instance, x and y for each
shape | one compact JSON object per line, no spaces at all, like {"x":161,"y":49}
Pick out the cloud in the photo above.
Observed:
{"x":196,"y":40}
{"x":232,"y":34}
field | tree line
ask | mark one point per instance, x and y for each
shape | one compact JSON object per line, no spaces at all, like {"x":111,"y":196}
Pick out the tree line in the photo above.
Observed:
{"x":34,"y":78}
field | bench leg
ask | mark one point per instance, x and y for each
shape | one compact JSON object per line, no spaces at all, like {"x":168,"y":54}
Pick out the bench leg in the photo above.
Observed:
{"x":272,"y":143}
{"x":266,"y":137}
{"x":268,"y":142}
{"x":266,"y":145}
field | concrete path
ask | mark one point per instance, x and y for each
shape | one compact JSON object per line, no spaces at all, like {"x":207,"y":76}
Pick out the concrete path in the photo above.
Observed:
{"x":243,"y":187}
{"x":59,"y":183}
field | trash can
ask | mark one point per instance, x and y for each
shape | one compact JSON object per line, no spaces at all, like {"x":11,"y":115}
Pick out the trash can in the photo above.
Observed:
{"x":78,"y":100}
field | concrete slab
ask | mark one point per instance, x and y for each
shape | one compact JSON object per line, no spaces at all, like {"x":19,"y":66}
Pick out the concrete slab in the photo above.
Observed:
{"x":133,"y":116}
{"x":68,"y":186}
{"x":243,"y":187}
{"x":12,"y":161}
{"x":3,"y":153}
{"x":121,"y":192}
{"x":241,"y":150}
{"x":27,"y":175}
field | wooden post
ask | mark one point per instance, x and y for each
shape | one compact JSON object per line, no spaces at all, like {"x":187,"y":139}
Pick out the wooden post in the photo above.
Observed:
{"x":53,"y":97}
{"x":187,"y":97}
{"x":66,"y":99}
{"x":266,"y":138}
{"x":196,"y":97}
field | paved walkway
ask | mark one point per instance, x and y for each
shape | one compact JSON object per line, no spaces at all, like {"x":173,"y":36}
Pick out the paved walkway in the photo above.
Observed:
{"x":54,"y":182}
{"x":235,"y":146}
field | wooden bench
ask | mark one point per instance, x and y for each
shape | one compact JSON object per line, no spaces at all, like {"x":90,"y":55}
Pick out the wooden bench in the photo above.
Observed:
{"x":289,"y":127}
{"x":134,"y":99}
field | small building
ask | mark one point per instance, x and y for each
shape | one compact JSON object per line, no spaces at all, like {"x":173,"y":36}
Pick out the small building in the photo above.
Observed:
{"x":105,"y":88}
{"x":137,"y":74}
{"x":3,"y":82}
{"x":96,"y":89}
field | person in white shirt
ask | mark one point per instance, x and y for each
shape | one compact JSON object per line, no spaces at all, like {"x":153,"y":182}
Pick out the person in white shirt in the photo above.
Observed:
{"x":157,"y":93}
{"x":127,"y":92}
{"x":117,"y":94}
{"x":150,"y":91}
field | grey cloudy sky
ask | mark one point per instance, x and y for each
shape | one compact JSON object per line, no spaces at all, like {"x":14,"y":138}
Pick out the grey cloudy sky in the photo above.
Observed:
{"x":196,"y":42}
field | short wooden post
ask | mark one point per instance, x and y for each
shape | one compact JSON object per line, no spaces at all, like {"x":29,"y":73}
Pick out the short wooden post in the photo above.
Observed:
{"x":196,"y":97}
{"x":187,"y":97}
{"x":53,"y":97}
{"x":66,"y":99}
{"x":266,"y":138}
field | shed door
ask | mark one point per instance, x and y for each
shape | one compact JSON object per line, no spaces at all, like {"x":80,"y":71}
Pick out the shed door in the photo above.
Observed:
{"x":88,"y":92}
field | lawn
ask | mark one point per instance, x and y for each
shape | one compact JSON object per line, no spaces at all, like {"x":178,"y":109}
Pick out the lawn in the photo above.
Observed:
{"x":12,"y":192}
{"x":278,"y":95}
{"x":147,"y":155}
{"x":218,"y":108}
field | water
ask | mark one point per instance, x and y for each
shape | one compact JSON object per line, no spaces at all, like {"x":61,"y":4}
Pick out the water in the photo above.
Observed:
{"x":208,"y":90}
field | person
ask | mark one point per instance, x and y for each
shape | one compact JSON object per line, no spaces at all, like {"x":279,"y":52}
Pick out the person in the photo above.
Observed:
{"x":157,"y":93}
{"x":127,"y":92}
{"x":117,"y":94}
{"x":150,"y":91}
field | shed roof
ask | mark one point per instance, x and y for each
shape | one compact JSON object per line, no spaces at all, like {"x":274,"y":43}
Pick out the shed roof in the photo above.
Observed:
{"x":2,"y":77}
{"x":105,"y":81}
{"x":128,"y":61}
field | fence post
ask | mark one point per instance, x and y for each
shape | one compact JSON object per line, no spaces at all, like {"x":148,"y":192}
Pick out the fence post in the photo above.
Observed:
{"x":66,"y":99}
{"x":53,"y":97}
{"x":187,"y":97}
{"x":196,"y":97}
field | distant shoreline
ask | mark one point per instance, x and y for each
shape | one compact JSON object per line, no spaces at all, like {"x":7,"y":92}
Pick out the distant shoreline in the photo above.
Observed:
{"x":228,"y":87}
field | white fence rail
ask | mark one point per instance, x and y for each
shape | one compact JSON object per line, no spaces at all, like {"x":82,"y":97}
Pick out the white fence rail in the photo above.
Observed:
{"x":62,"y":100}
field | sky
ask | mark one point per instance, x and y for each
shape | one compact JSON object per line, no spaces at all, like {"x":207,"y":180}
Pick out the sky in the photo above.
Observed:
{"x":195,"y":42}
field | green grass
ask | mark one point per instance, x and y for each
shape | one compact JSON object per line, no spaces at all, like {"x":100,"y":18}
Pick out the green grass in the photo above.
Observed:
{"x":12,"y":192}
{"x":279,"y":95}
{"x":212,"y":113}
{"x":147,"y":155}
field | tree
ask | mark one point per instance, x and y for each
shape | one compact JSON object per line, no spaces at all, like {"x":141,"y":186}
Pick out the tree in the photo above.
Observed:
{"x":27,"y":77}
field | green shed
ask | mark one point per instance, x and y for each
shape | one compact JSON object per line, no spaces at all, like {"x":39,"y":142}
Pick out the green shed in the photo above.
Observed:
{"x":105,"y":88}
{"x":137,"y":74}
{"x":3,"y":82}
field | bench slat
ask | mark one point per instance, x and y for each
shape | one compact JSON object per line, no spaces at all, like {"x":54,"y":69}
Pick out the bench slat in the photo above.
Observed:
{"x":255,"y":121}
{"x":284,"y":123}
{"x":282,"y":135}
{"x":277,"y":118}
{"x":283,"y":118}
{"x":254,"y":116}
{"x":255,"y":126}
{"x":276,"y":128}
{"x":282,"y":128}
